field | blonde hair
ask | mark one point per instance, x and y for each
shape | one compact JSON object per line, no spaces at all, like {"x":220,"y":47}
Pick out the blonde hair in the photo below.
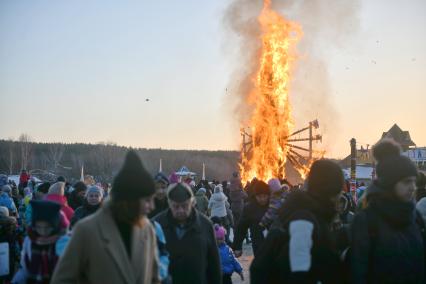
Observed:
{"x":57,"y":188}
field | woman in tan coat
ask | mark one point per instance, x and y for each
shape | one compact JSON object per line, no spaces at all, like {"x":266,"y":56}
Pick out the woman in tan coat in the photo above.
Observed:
{"x":117,"y":244}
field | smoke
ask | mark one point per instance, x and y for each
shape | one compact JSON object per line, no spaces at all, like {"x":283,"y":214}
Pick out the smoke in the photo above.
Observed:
{"x":328,"y":25}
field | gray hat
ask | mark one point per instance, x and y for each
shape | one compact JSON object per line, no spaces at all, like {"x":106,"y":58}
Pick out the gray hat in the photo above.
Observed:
{"x":95,"y":188}
{"x":4,"y":211}
{"x":6,"y":188}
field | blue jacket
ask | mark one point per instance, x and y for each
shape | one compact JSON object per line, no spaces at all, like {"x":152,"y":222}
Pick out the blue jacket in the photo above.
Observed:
{"x":7,"y":201}
{"x":162,"y":252}
{"x":228,"y":261}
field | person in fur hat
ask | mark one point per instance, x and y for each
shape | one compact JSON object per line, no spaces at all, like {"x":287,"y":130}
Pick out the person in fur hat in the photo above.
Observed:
{"x":39,"y":256}
{"x":388,"y":236}
{"x":118,"y":241}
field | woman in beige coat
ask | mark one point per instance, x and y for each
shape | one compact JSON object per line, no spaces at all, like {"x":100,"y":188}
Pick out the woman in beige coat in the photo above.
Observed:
{"x":117,"y":244}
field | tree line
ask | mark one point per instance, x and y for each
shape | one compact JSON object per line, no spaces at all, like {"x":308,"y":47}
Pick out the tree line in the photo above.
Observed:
{"x":103,"y":160}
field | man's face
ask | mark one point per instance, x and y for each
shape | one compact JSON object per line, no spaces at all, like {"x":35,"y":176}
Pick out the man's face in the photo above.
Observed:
{"x":43,"y":228}
{"x":405,"y":189}
{"x":262,"y":199}
{"x":181,"y":210}
{"x":147,"y":205}
{"x":160,"y":190}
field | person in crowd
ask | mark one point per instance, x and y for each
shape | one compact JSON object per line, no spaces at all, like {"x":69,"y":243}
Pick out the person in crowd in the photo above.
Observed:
{"x":118,"y":243}
{"x":160,"y":199}
{"x":38,"y":194}
{"x":275,"y":202}
{"x":8,"y":235}
{"x":201,"y":201}
{"x":346,"y":215}
{"x":252,"y":215}
{"x":93,"y":201}
{"x":77,"y":196}
{"x":300,"y":248}
{"x":420,"y":186}
{"x":57,"y":194}
{"x":163,"y":255}
{"x":217,"y":203}
{"x":388,"y":236}
{"x":24,"y":177}
{"x":237,"y":196}
{"x":228,"y":261}
{"x":225,"y":188}
{"x":360,"y":190}
{"x":7,"y":201}
{"x":194,"y":257}
{"x":39,"y":256}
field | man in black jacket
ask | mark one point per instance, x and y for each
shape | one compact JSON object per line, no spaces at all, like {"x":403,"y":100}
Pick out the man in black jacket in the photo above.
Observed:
{"x":251,"y":217}
{"x":190,"y":240}
{"x":300,"y":249}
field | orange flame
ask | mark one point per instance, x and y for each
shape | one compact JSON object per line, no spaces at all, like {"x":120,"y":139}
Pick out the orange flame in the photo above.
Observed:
{"x":271,"y":121}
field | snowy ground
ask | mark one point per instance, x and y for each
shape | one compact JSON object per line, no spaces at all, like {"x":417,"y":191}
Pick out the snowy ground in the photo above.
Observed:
{"x":245,"y":261}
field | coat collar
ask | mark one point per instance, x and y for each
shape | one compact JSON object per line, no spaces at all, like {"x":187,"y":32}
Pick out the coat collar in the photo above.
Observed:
{"x":114,"y":244}
{"x":130,"y":268}
{"x":194,"y":223}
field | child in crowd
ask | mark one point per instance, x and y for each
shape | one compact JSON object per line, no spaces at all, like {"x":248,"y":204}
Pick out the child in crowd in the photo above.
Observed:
{"x":228,"y":261}
{"x":278,"y":195}
{"x":39,"y":252}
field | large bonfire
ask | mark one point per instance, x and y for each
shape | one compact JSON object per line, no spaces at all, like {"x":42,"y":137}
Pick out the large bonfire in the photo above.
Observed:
{"x":271,"y":122}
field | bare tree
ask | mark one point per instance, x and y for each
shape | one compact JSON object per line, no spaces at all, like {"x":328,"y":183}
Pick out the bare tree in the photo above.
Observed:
{"x":106,"y":158}
{"x":54,"y":154}
{"x":26,"y":147}
{"x":11,"y":147}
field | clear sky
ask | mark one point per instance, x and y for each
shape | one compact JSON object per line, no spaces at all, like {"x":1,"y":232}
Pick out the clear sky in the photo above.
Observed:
{"x":81,"y":71}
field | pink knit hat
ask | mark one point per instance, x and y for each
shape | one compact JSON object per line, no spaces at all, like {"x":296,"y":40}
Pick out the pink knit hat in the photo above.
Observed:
{"x":219,"y":232}
{"x":173,"y":178}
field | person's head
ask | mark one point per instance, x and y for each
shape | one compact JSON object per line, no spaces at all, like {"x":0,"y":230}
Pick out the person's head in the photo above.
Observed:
{"x":396,"y":174}
{"x":57,"y":188}
{"x":45,"y":217}
{"x":325,"y":181}
{"x":274,"y":185}
{"x":94,"y":195}
{"x":161,"y":184}
{"x":201,"y":191}
{"x":181,"y":201}
{"x":218,"y":189}
{"x":6,"y":189}
{"x":262,"y":193}
{"x":61,"y":179}
{"x":132,"y":191}
{"x":4,"y":211}
{"x":220,"y":233}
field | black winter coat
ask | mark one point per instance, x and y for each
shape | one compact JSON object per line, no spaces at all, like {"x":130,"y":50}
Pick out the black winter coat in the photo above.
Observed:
{"x":82,"y":212}
{"x":388,"y":243}
{"x":250,"y":219}
{"x":279,"y":260}
{"x":194,"y":259}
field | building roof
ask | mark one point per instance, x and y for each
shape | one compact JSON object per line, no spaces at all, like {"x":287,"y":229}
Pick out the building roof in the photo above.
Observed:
{"x":401,"y":137}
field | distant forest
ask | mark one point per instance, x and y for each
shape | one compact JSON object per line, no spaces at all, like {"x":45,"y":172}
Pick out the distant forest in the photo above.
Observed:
{"x":103,"y":160}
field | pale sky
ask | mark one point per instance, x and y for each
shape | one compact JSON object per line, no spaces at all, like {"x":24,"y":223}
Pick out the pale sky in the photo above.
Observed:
{"x":81,"y":71}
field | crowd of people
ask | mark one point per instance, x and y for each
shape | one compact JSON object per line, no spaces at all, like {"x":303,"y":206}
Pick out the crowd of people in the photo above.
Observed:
{"x":165,"y":229}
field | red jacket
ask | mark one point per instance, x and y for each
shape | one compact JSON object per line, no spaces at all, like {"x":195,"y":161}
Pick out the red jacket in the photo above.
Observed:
{"x":68,"y":211}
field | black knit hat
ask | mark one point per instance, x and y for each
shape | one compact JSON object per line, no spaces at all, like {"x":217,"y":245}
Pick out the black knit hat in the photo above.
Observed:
{"x":261,"y":187}
{"x":179,"y":192}
{"x":133,"y":181}
{"x":392,"y":167}
{"x":325,"y":179}
{"x":43,"y":210}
